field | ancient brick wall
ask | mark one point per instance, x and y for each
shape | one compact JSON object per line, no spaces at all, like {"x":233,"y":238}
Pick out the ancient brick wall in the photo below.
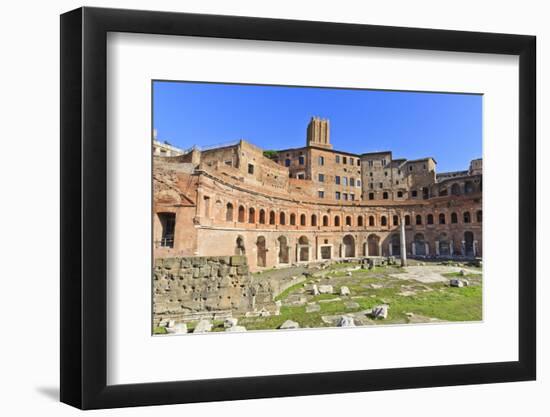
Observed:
{"x":187,"y":287}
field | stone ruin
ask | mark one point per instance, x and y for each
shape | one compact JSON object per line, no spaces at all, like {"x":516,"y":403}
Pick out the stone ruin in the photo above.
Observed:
{"x":215,"y":287}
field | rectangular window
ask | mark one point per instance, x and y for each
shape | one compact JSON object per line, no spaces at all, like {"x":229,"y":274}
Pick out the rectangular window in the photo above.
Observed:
{"x":371,"y":196}
{"x":359,"y":183}
{"x":352,"y":197}
{"x":301,"y":176}
{"x":400,"y":194}
{"x":321,"y":177}
{"x":301,"y":160}
{"x":287,"y":162}
{"x":414,"y":193}
{"x":337,"y":179}
{"x":168,"y":225}
{"x":250,"y":169}
{"x":337,"y":159}
{"x":344,"y":160}
{"x":321,"y":160}
{"x":345,"y":181}
{"x":352,"y":182}
{"x":358,"y":162}
{"x":370,"y":174}
{"x":345,"y":196}
{"x":370,"y":164}
{"x":383,"y":162}
{"x":371,"y":186}
{"x":321,"y":194}
{"x":351,"y":161}
{"x":337,"y":195}
{"x":381,"y":185}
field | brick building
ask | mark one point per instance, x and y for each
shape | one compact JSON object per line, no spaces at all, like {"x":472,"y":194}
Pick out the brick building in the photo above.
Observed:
{"x":312,"y":203}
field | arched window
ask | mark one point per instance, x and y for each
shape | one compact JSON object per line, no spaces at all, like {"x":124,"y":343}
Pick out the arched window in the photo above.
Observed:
{"x":479,"y":216}
{"x":302,"y":220}
{"x":360,"y":221}
{"x":313,"y":220}
{"x":441,"y":218}
{"x":385,"y":195}
{"x":337,"y":220}
{"x":383,"y":221}
{"x":348,"y":220}
{"x":454,"y":218}
{"x":455,"y":189}
{"x":282,"y":218}
{"x":430,"y":219}
{"x":271,"y":217}
{"x":396,"y":220}
{"x":241,"y":214}
{"x":292,"y":219}
{"x":466,"y":217}
{"x":325,"y":221}
{"x":229,"y":212}
{"x":262,"y":216}
{"x":372,"y":222}
{"x":407,"y":220}
{"x":251,"y":215}
{"x":418,"y":219}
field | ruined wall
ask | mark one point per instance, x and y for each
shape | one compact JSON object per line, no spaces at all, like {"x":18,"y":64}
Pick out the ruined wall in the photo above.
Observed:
{"x":187,"y":287}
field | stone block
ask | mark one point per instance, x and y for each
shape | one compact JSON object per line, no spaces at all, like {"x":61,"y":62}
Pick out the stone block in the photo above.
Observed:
{"x":237,"y":260}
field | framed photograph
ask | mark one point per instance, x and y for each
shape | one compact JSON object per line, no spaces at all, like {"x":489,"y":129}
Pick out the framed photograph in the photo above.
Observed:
{"x":261,"y":208}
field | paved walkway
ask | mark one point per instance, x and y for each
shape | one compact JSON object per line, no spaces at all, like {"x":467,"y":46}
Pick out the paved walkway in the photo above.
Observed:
{"x":430,"y":273}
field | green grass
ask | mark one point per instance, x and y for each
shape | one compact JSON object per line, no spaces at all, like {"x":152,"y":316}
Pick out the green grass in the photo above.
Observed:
{"x":159,"y":330}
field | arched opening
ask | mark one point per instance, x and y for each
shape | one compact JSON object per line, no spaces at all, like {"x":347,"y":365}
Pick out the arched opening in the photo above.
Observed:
{"x":283,"y":250}
{"x":292,"y":219}
{"x":454,"y":218}
{"x":241,"y":214}
{"x":337,"y":220}
{"x":396,"y":220}
{"x":443,"y":191}
{"x":271,"y":217}
{"x":430,"y":219}
{"x":229,"y":212}
{"x":444,"y":245}
{"x":251,"y":215}
{"x":348,"y":220}
{"x":239,"y":246}
{"x":479,"y":216}
{"x":303,"y":249}
{"x":455,"y":189}
{"x":373,"y":245}
{"x":262,"y":216}
{"x":419,"y":245}
{"x":441,"y":218}
{"x":360,"y":221}
{"x":468,"y":244}
{"x":260,"y":252}
{"x":418,"y":219}
{"x":302,"y":220}
{"x":372,"y":222}
{"x":349,"y":246}
{"x":325,"y":221}
{"x":384,"y":221}
{"x":395,"y":244}
{"x":466,"y":217}
{"x":313,"y":220}
{"x":468,"y":187}
{"x":282,"y":218}
{"x":407,"y":220}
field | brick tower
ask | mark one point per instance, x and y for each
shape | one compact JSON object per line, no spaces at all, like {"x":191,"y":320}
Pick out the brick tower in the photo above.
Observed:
{"x":318,"y":133}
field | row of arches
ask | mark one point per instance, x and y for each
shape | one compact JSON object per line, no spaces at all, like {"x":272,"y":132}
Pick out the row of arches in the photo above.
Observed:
{"x":262,"y":217}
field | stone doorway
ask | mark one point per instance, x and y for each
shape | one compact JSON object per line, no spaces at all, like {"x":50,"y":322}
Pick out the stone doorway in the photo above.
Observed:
{"x":373,"y":245}
{"x":239,"y":246}
{"x":349,"y":246}
{"x":419,"y":245}
{"x":303,"y":249}
{"x":283,"y":257}
{"x":468,"y":244}
{"x":261,"y":252}
{"x":326,"y":252}
{"x":395,"y":245}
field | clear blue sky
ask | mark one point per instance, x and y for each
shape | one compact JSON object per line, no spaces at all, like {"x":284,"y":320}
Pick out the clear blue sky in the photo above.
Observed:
{"x":412,"y":125}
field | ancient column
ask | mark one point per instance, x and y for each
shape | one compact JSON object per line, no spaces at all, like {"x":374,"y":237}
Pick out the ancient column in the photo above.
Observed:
{"x":437,"y":247}
{"x":403,"y":245}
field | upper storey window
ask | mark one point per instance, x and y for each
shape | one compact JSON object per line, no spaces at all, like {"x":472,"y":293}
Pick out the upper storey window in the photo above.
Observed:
{"x":358,"y":183}
{"x":344,"y":160}
{"x":301,"y":160}
{"x":321,"y":160}
{"x":352,"y":182}
{"x":337,"y":179}
{"x":345,"y":181}
{"x":250,"y":169}
{"x":287,"y":162}
{"x":321,"y":177}
{"x":358,"y":162}
{"x":351,"y":161}
{"x":383,"y":162}
{"x":337,"y":159}
{"x":337,"y":195}
{"x":371,"y":163}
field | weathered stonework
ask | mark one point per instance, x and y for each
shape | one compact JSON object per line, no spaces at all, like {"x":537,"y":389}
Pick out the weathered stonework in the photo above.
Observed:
{"x":191,"y":288}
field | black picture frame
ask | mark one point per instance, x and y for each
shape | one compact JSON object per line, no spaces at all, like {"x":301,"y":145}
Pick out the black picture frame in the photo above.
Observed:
{"x":84,"y":207}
